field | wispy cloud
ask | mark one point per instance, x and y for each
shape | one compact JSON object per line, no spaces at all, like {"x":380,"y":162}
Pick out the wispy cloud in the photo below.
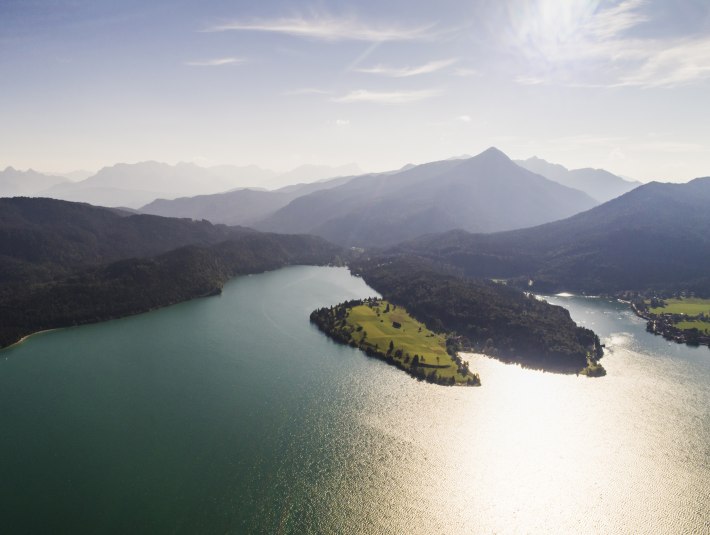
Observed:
{"x":218,"y":62}
{"x":327,"y":28}
{"x":464,"y":118}
{"x":466,"y":72}
{"x":529,"y":80}
{"x":387,"y":97}
{"x":404,"y":72}
{"x":615,"y":20}
{"x":307,"y":91}
{"x":672,"y":65}
{"x":604,"y":50}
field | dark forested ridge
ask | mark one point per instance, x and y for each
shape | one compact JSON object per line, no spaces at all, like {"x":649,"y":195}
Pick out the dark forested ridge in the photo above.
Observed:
{"x":137,"y":285}
{"x":44,"y":238}
{"x":492,"y":318}
{"x":654,"y":238}
{"x":64,"y":263}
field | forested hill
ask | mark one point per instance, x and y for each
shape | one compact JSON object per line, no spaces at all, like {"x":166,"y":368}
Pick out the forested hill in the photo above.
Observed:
{"x":493,"y":318}
{"x":137,"y":285}
{"x":44,"y":238}
{"x":655,"y":237}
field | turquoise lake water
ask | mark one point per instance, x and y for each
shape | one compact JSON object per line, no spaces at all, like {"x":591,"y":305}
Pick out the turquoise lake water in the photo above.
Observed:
{"x":232,"y":414}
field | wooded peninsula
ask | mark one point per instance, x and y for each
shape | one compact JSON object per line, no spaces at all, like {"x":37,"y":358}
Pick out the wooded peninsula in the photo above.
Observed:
{"x":387,"y":332}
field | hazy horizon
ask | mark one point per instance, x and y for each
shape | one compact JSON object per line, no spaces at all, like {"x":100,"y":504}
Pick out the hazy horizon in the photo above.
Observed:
{"x":614,"y":85}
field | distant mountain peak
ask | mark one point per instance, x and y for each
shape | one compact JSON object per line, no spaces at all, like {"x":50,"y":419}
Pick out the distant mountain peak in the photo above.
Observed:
{"x":493,"y":154}
{"x":599,"y":183}
{"x":494,"y":151}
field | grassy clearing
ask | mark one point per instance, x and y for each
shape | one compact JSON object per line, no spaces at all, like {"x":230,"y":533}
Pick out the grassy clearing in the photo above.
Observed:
{"x":388,"y":332}
{"x":410,"y":339}
{"x":702,"y":326}
{"x":690,"y":307}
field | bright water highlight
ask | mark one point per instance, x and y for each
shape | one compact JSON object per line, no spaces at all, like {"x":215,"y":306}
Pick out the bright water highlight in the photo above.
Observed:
{"x":233,"y":414}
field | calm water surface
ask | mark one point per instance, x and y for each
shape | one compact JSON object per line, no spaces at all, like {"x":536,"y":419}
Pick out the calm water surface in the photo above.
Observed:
{"x":233,"y":415}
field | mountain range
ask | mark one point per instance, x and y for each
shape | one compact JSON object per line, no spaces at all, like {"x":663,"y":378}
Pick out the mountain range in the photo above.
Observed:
{"x":15,"y":183}
{"x":237,"y":207}
{"x":653,"y":238}
{"x":134,"y":185}
{"x":599,"y":184}
{"x":485,"y":193}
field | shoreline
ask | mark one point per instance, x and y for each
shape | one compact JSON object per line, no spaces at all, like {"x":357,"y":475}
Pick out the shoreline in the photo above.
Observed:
{"x":662,"y":325}
{"x":27,"y":336}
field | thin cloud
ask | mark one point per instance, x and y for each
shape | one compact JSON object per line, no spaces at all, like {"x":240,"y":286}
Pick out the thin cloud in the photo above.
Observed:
{"x":218,"y":62}
{"x":466,"y":72}
{"x":603,"y":52}
{"x":307,"y":91}
{"x":675,"y":64}
{"x":615,"y":20}
{"x":404,"y":72}
{"x":529,"y":80}
{"x":330,"y":29}
{"x":387,"y":97}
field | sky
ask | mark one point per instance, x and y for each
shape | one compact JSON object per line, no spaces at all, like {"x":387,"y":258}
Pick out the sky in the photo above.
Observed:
{"x":621,"y":85}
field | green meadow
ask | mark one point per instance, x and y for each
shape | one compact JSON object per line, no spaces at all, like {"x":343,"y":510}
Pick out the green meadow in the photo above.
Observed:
{"x":702,"y":326}
{"x":379,"y":323}
{"x":689,"y":307}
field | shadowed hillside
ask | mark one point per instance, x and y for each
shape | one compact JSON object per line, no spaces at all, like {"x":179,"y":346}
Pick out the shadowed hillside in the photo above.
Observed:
{"x":654,"y":237}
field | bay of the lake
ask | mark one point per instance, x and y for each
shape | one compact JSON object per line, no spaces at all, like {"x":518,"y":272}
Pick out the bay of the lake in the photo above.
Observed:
{"x":233,"y":414}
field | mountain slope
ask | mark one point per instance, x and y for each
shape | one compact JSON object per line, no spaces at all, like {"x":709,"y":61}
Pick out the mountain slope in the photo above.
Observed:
{"x":41,"y":238}
{"x":15,"y":183}
{"x":656,"y":236}
{"x":239,"y":207}
{"x":134,"y":185}
{"x":64,"y":263}
{"x":485,"y":193}
{"x":311,"y":173}
{"x":137,"y":285}
{"x":597,"y":183}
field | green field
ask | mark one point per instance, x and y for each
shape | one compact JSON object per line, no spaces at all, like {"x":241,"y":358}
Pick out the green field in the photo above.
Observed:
{"x":702,"y":326}
{"x":412,"y":338}
{"x":690,"y":307}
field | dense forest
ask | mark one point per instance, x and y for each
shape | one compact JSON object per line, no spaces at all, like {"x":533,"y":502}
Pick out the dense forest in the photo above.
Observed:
{"x":73,"y":283}
{"x":41,"y":239}
{"x":488,"y":317}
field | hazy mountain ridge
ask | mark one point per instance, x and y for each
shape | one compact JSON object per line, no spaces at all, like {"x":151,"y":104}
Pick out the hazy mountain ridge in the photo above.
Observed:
{"x":14,"y":183}
{"x":485,"y":193}
{"x":653,"y":237}
{"x":238,"y":207}
{"x":135,"y":185}
{"x":597,"y":183}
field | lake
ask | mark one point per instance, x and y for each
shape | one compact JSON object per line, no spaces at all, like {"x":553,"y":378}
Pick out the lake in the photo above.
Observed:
{"x":232,"y":414}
